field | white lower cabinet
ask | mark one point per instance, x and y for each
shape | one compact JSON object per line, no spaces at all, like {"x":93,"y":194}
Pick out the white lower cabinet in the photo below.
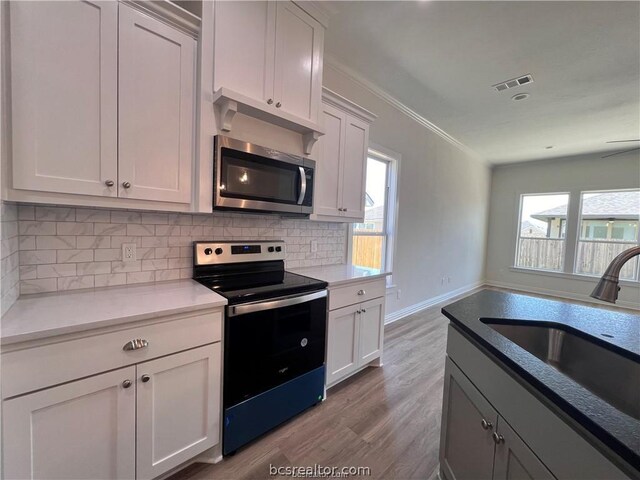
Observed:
{"x":135,"y":422}
{"x":355,"y":332}
{"x":178,"y":405}
{"x":79,"y":430}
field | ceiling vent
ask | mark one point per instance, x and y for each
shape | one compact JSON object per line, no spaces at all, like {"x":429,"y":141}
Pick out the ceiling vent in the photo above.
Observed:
{"x":514,"y":82}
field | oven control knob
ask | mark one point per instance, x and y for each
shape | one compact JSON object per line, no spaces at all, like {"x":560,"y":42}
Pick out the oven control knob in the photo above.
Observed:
{"x":218,"y":251}
{"x":278,"y":249}
{"x":271,"y":249}
{"x":208,"y":251}
{"x":304,"y":342}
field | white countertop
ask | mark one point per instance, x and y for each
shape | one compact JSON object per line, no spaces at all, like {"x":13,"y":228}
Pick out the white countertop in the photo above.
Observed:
{"x":41,"y":316}
{"x":340,"y":274}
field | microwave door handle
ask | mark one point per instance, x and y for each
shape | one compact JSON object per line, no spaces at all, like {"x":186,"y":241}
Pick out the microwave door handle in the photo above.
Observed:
{"x":303,"y":186}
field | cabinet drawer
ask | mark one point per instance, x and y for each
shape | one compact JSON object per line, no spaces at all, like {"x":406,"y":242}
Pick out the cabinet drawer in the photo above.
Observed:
{"x":355,"y":293}
{"x":38,"y":367}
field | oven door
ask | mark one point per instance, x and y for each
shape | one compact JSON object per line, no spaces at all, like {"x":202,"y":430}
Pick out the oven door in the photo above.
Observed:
{"x":256,"y":178}
{"x":270,"y":342}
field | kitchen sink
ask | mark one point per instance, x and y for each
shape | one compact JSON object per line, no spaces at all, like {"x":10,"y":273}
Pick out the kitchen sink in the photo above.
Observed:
{"x":611,"y":376}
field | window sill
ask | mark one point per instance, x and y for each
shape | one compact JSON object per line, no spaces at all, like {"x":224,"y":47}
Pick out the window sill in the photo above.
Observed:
{"x":570,"y":276}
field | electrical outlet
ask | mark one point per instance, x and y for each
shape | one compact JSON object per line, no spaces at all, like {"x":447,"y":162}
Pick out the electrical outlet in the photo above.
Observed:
{"x":128,"y":252}
{"x":314,"y":245}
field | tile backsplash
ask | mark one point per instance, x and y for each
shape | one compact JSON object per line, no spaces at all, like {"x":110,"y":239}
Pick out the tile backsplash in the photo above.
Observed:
{"x":8,"y":255}
{"x":65,"y":248}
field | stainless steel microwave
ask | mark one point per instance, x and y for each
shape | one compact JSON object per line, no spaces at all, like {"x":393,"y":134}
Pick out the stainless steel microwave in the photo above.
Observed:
{"x":254,"y":178}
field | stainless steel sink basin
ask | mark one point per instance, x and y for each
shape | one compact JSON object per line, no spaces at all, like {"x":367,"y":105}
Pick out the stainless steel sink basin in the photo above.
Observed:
{"x":611,"y":376}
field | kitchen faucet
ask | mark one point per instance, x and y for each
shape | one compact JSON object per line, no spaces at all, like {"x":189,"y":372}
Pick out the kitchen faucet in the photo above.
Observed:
{"x":607,"y":288}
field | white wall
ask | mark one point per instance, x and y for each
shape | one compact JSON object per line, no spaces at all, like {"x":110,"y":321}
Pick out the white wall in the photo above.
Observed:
{"x":443,"y":202}
{"x":561,"y":175}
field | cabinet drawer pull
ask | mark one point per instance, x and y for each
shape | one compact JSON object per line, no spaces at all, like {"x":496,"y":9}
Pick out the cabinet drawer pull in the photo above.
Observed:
{"x":270,"y":101}
{"x":361,"y":292}
{"x":278,"y":105}
{"x":126,"y":184}
{"x":364,"y":310}
{"x":126,"y":384}
{"x":135,"y":344}
{"x":145,"y":378}
{"x":497,"y":438}
{"x":109,"y":183}
{"x":486,"y":425}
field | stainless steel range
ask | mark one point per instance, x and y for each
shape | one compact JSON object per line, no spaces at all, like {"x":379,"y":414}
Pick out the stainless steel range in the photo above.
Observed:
{"x":275,"y":325}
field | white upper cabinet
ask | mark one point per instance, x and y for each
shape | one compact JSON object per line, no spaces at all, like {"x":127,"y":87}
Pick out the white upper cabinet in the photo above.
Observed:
{"x":298,"y":62}
{"x":245,"y":47}
{"x":155,"y":109}
{"x":342,"y":159}
{"x":102,"y":103}
{"x":268,"y":64}
{"x":64,"y":91}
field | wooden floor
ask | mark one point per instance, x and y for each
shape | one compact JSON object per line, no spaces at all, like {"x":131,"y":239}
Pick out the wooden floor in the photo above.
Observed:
{"x":387,"y":419}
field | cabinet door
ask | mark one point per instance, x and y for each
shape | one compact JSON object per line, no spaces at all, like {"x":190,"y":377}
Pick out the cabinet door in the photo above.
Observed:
{"x":342,"y":343}
{"x":178,"y":409}
{"x":355,"y":163}
{"x":298,"y":61}
{"x":245,"y":47}
{"x":156,"y":73}
{"x":466,"y":446}
{"x":328,"y":184}
{"x":371,"y":330}
{"x":64,"y":96}
{"x":514,"y":460}
{"x":79,"y":430}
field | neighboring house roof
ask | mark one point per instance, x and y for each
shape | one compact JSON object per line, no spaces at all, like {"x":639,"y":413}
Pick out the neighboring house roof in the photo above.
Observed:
{"x":624,"y":205}
{"x":528,"y":229}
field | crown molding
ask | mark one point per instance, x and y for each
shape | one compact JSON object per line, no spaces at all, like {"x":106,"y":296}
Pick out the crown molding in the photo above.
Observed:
{"x":332,"y":98}
{"x":332,"y":62}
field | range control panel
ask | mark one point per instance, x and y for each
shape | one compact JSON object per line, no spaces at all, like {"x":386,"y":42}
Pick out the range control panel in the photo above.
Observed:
{"x":211,"y":253}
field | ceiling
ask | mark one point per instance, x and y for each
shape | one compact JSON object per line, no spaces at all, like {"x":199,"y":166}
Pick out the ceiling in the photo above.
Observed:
{"x":442,"y":58}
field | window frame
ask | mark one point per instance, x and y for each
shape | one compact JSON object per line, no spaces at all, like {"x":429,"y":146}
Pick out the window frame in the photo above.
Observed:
{"x":563,"y":239}
{"x":572,"y":235}
{"x":578,"y":229}
{"x":392,"y":158}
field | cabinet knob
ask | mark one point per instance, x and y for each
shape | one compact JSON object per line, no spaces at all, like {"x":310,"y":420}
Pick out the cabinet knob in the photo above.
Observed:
{"x":135,"y":344}
{"x":497,"y":438}
{"x":270,"y":101}
{"x":126,"y":184}
{"x":278,"y":105}
{"x":109,"y":183}
{"x":344,"y":209}
{"x":486,"y":425}
{"x":145,"y":378}
{"x":361,"y":292}
{"x":358,"y":311}
{"x":126,"y":384}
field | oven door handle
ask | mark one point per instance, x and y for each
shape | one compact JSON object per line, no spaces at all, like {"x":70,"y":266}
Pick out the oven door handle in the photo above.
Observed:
{"x":279,"y":302}
{"x":303,"y":185}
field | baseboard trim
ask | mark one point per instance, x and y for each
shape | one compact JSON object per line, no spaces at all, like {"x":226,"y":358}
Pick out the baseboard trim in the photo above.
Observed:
{"x":561,"y":294}
{"x":431,"y":302}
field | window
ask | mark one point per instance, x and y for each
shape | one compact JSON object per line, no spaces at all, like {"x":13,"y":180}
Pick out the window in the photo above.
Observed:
{"x":608,"y":226}
{"x":541,"y":236}
{"x":608,"y":222}
{"x":372,"y":240}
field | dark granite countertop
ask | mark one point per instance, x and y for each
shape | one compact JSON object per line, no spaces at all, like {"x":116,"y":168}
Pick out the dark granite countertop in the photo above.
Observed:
{"x":617,"y":430}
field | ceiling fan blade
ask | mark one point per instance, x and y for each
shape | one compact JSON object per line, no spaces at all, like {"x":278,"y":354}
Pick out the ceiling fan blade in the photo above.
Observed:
{"x":622,"y":141}
{"x":620,"y":152}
